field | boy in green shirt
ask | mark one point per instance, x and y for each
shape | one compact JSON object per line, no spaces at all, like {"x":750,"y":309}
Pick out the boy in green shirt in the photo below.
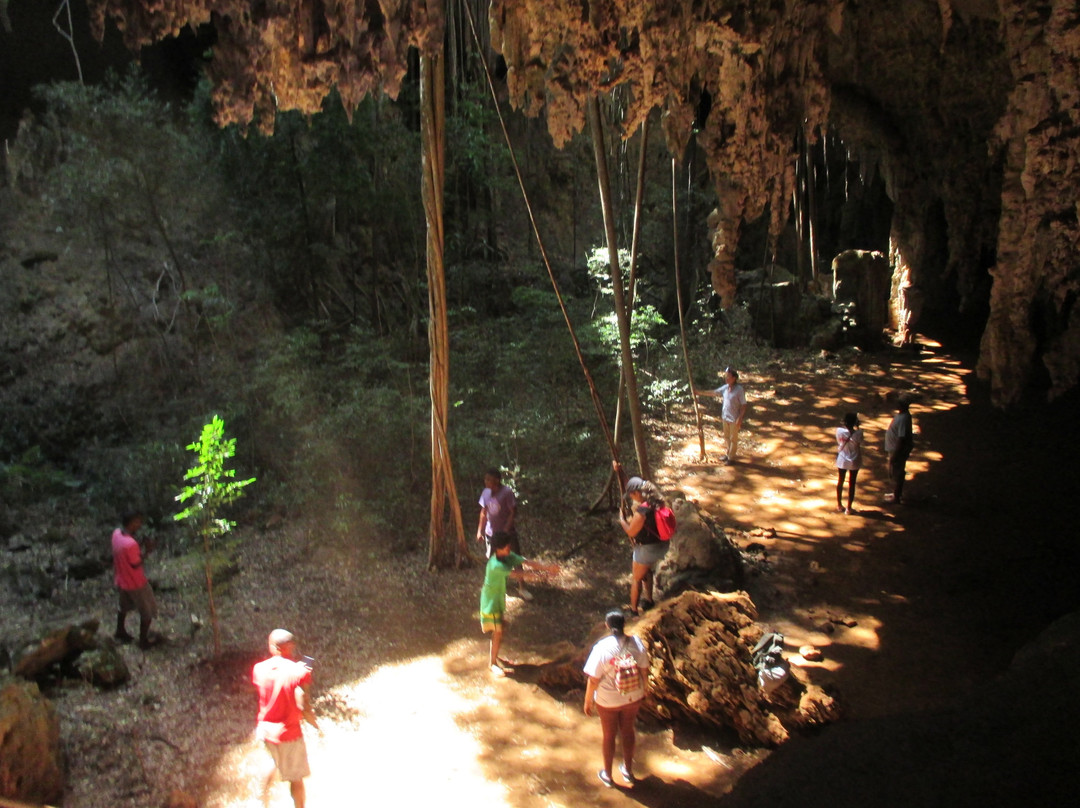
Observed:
{"x":500,"y":567}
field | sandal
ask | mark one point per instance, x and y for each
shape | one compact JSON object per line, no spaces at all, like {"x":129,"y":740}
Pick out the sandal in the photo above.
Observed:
{"x":605,"y":778}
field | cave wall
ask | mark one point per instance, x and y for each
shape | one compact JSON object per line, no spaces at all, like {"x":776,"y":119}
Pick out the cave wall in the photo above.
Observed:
{"x":966,"y":107}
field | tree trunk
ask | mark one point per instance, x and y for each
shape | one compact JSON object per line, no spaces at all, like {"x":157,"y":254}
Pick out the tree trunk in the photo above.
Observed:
{"x":445,"y":510}
{"x":679,"y":300}
{"x":621,"y":312}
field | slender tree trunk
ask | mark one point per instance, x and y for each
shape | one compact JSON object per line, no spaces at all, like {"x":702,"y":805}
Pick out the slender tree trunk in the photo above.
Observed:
{"x":444,"y":500}
{"x":678,"y":296}
{"x":639,"y":196}
{"x":621,"y":314}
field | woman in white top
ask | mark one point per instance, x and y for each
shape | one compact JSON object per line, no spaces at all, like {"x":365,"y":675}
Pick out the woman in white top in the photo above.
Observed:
{"x":618,"y":707}
{"x":849,"y":440}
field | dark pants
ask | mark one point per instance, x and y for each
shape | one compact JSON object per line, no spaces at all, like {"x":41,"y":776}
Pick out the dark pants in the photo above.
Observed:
{"x":897,"y":470}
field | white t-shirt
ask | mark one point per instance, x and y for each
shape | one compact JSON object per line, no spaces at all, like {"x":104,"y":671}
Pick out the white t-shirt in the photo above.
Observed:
{"x":849,"y":448}
{"x":899,"y":429}
{"x":734,"y":401}
{"x":601,"y":665}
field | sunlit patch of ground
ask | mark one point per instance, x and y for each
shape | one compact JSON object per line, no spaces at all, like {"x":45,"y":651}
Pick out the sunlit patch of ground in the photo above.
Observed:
{"x":441,"y":730}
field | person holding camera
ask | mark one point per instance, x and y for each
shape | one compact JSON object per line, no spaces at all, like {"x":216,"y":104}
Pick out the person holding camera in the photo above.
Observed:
{"x":849,"y":439}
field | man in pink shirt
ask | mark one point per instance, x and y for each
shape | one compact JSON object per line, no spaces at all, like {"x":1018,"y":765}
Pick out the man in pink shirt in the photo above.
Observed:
{"x":280,"y":681}
{"x":130,"y":578}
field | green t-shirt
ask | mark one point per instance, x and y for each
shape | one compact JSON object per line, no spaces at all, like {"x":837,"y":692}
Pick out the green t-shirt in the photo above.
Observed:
{"x":493,"y":595}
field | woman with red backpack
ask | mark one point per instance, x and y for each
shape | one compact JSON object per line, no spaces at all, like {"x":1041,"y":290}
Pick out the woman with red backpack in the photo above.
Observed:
{"x":650,"y":546}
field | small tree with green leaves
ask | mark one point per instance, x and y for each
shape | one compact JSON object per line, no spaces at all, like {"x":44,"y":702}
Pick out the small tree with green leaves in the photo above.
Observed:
{"x":210,"y":487}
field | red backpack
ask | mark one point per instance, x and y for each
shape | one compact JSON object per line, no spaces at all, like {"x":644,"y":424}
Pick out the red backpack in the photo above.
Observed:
{"x":665,"y":523}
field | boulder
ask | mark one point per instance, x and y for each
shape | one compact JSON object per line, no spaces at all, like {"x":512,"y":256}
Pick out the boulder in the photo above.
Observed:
{"x":700,"y":556}
{"x":861,"y":293}
{"x":62,"y":645}
{"x":103,"y":666}
{"x":31,"y":767}
{"x":701,"y":670}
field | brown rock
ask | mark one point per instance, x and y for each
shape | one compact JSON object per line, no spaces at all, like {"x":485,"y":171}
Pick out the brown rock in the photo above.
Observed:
{"x":30,"y":759}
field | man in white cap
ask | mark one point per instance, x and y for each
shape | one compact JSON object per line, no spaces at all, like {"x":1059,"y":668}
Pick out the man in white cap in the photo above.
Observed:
{"x":281,"y":680}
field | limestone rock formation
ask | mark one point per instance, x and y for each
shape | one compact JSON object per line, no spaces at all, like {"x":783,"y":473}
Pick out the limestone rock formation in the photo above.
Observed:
{"x":103,"y":666}
{"x":60,"y":645}
{"x":701,"y":671}
{"x":967,"y":110}
{"x":30,"y":760}
{"x":698,"y":558}
{"x":861,"y":287}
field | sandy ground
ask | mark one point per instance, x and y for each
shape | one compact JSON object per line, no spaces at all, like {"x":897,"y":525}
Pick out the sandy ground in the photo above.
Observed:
{"x":409,"y":713}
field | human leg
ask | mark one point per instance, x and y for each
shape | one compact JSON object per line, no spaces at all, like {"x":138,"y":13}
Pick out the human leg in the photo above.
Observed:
{"x":731,"y":439}
{"x":147,"y":605}
{"x":609,"y":725}
{"x":851,"y":488}
{"x":898,"y":468}
{"x":291,"y":763}
{"x":123,"y":606}
{"x":628,"y":734}
{"x":496,"y":644}
{"x":841,"y":474}
{"x":638,"y":573}
{"x":298,"y":793}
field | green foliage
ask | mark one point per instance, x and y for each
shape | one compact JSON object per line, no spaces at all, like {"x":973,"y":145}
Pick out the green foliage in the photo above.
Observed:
{"x":31,"y":476}
{"x":598,"y":265}
{"x":129,"y":168}
{"x":661,"y":394}
{"x":335,"y":205}
{"x":210,"y":485}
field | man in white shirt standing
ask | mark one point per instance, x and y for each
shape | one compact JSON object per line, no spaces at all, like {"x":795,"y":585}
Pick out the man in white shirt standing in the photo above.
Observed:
{"x":899,"y":441}
{"x":734,"y":409}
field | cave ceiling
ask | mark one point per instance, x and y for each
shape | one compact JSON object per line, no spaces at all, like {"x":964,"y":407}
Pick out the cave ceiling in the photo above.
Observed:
{"x":968,"y":108}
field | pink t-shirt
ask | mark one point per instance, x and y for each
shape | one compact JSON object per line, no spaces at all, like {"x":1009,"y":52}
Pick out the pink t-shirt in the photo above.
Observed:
{"x":127,"y":561}
{"x":276,"y":680}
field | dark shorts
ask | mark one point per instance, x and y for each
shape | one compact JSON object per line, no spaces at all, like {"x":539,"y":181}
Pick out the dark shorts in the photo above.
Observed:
{"x":141,"y":600}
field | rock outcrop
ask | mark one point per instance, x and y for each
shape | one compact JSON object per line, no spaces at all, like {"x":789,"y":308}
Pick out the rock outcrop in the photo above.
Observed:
{"x":701,"y":671}
{"x":30,"y":761}
{"x":967,"y":109}
{"x":699,"y":557}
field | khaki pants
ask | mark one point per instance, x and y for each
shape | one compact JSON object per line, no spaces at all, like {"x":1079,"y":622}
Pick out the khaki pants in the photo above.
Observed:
{"x":731,"y":437}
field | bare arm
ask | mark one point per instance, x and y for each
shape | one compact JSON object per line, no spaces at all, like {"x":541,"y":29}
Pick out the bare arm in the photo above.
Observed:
{"x":534,"y":570}
{"x":633,"y":525}
{"x":590,"y":695}
{"x":303,"y":703}
{"x":481,"y":525}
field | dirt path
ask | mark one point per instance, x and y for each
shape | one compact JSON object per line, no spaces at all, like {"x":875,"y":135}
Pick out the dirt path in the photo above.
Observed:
{"x":411,"y":715}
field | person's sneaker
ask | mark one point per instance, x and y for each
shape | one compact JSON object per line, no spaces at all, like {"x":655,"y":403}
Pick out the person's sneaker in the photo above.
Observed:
{"x":628,"y":775}
{"x":525,"y":594}
{"x":605,"y":778}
